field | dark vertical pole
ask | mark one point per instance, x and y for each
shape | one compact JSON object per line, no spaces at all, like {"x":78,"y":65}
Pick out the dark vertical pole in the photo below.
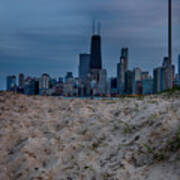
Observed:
{"x":170,"y":31}
{"x":170,"y":84}
{"x":94,"y":27}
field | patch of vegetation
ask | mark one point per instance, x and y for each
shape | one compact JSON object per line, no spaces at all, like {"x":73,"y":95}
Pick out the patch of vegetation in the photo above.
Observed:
{"x":116,"y":127}
{"x":140,"y":98}
{"x":128,"y":128}
{"x":72,"y":157}
{"x":159,"y":156}
{"x":148,"y":148}
{"x":111,"y":102}
{"x":86,"y":167}
{"x":153,"y":101}
{"x":174,"y":144}
{"x":170,"y":91}
{"x":91,"y":108}
{"x":151,"y":119}
{"x":50,"y":110}
{"x":95,"y":145}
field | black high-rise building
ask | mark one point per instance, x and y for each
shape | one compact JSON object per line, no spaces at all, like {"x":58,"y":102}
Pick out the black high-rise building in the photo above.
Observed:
{"x":124,"y":56}
{"x":124,"y":52}
{"x":95,"y":58}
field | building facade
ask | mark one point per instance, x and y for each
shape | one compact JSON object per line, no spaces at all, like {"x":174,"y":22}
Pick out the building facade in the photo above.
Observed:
{"x":11,"y":83}
{"x":158,"y":75}
{"x":128,"y":82}
{"x":21,"y":81}
{"x":147,"y":85}
{"x":95,"y":57}
{"x":84,"y":66}
{"x":44,"y":84}
{"x":136,"y":78}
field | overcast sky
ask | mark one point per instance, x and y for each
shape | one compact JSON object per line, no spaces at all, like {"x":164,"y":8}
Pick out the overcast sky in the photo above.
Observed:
{"x":39,"y":36}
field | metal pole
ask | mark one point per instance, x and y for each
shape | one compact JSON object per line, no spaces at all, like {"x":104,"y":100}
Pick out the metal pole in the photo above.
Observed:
{"x":170,"y":32}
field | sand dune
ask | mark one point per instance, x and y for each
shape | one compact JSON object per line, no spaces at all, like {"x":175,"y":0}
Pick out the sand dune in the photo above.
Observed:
{"x":49,"y":138}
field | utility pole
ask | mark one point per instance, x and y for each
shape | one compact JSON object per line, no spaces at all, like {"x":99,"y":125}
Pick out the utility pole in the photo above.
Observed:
{"x":170,"y":32}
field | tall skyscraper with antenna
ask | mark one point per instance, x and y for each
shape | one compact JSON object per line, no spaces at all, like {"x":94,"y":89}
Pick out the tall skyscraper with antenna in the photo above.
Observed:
{"x":98,"y":75}
{"x":96,"y":58}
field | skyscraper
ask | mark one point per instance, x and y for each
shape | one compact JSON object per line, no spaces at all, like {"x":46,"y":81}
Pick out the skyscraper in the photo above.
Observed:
{"x":157,"y":80}
{"x":96,"y":58}
{"x":102,"y":82}
{"x":84,"y":64}
{"x":121,"y":76}
{"x":122,"y":67}
{"x":137,"y":77}
{"x":124,"y":56}
{"x":168,"y":73}
{"x":128,"y":82}
{"x":97,"y":79}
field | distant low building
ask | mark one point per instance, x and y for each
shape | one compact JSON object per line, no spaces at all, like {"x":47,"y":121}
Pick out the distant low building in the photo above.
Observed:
{"x":70,"y":87}
{"x":44,"y":84}
{"x":177,"y":81}
{"x":113,"y":86}
{"x":61,"y":80}
{"x":147,"y":86}
{"x":69,"y":76}
{"x":21,"y":81}
{"x":11,"y":83}
{"x":31,"y":86}
{"x":52,"y":82}
{"x":139,"y":88}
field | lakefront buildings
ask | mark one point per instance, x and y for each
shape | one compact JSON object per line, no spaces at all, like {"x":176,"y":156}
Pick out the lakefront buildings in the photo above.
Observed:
{"x":93,"y":79}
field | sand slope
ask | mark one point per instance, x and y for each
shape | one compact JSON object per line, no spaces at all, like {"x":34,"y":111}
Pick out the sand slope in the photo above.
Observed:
{"x":60,"y":139}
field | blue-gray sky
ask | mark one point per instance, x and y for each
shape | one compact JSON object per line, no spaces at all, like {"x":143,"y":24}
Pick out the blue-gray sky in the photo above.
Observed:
{"x":39,"y":36}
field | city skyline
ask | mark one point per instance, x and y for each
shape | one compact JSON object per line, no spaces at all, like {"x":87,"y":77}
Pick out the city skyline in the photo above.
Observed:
{"x":17,"y":49}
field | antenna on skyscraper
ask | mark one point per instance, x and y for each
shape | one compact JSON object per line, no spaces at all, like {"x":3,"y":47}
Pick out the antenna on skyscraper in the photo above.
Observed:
{"x":93,"y":26}
{"x":99,"y":28}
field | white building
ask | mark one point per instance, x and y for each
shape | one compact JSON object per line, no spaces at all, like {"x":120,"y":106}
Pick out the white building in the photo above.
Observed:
{"x":44,"y":83}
